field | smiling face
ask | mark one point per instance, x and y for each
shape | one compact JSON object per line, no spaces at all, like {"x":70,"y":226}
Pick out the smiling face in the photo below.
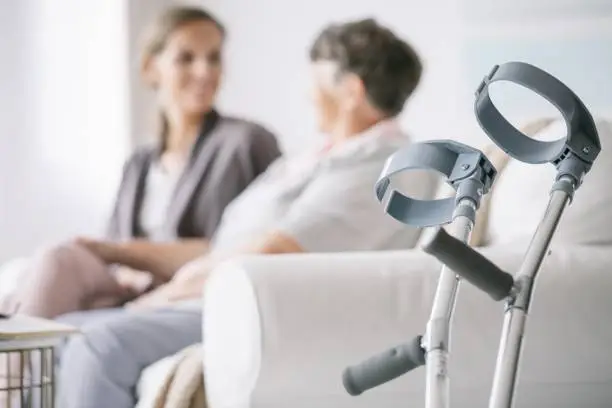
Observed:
{"x":186,"y":71}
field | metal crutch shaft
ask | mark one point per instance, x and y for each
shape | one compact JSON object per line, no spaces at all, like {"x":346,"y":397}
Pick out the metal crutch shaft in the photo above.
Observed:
{"x":437,"y":342}
{"x":506,"y":369}
{"x":471,"y":174}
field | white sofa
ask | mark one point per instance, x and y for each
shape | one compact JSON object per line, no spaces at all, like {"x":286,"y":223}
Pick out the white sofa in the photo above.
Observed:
{"x":279,"y":330}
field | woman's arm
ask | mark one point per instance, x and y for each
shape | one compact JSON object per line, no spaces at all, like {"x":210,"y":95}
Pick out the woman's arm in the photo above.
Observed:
{"x":161,"y":259}
{"x":188,"y":283}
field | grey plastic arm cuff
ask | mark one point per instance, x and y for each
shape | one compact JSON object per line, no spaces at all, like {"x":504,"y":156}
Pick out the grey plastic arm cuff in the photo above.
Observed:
{"x":581,"y":140}
{"x":455,"y":160}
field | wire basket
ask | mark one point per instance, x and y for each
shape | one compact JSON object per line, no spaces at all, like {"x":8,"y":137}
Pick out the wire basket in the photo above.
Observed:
{"x":27,"y":378}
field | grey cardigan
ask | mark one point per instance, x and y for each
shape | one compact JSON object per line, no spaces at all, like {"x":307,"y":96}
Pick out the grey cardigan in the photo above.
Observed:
{"x":227,"y":156}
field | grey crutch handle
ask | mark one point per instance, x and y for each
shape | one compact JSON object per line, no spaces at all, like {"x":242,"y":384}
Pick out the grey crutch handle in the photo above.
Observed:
{"x":469,"y":264}
{"x":581,"y":139}
{"x":384,"y":367}
{"x":454,"y":160}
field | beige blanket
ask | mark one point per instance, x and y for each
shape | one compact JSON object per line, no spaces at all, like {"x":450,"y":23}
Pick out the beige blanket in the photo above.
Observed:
{"x":184,"y":385}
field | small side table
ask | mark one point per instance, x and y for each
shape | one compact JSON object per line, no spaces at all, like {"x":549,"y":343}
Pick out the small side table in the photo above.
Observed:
{"x":27,"y":365}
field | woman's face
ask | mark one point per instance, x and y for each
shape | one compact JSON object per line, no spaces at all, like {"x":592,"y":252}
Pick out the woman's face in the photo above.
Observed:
{"x":336,"y":96}
{"x":187,"y":72}
{"x":325,"y":95}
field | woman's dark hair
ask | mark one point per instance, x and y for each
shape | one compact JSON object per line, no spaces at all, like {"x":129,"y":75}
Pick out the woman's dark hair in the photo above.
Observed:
{"x":157,"y":36}
{"x":389,"y":68}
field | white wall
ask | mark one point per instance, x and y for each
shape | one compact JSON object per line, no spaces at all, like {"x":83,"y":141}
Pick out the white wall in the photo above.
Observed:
{"x":63,"y":118}
{"x":459,"y":40}
{"x":572,"y":40}
{"x":14,"y":108}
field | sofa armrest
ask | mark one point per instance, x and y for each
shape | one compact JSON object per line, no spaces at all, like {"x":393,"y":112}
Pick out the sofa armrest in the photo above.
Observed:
{"x":280,"y":330}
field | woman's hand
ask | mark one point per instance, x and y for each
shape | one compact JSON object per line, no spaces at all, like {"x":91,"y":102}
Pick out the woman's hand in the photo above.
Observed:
{"x":187,"y":283}
{"x":158,"y":297}
{"x":107,"y":251}
{"x":166,"y":295}
{"x":133,"y":281}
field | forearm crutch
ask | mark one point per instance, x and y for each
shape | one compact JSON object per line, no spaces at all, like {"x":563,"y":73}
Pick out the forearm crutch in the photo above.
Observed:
{"x":471,"y":174}
{"x":573,"y":157}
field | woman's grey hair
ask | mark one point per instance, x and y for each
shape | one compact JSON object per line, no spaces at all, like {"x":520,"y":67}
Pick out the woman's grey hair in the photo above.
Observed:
{"x":389,"y":68}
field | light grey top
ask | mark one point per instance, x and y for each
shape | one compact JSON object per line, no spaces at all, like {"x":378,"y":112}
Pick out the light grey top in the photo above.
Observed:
{"x":325,"y":199}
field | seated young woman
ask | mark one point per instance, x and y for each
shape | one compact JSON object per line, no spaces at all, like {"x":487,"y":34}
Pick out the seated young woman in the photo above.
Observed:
{"x":173,"y":193}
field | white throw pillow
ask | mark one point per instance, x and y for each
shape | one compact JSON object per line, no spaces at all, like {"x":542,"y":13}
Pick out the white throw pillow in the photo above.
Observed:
{"x":522,"y":193}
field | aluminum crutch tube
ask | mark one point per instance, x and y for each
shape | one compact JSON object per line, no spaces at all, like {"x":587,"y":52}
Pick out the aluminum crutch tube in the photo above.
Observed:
{"x":504,"y":379}
{"x":437,"y":340}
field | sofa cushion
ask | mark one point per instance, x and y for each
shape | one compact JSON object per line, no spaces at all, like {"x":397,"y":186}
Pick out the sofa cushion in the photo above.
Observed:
{"x":522,"y":192}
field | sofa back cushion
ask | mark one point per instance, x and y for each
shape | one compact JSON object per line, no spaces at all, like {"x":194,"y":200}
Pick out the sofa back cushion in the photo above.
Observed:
{"x":521,"y":195}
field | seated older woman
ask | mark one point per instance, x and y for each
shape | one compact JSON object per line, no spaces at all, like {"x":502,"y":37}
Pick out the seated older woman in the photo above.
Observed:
{"x":321,"y":201}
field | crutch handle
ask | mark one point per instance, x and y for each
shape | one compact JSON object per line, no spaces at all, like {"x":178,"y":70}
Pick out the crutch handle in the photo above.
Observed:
{"x":383,"y":367}
{"x":469,"y":264}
